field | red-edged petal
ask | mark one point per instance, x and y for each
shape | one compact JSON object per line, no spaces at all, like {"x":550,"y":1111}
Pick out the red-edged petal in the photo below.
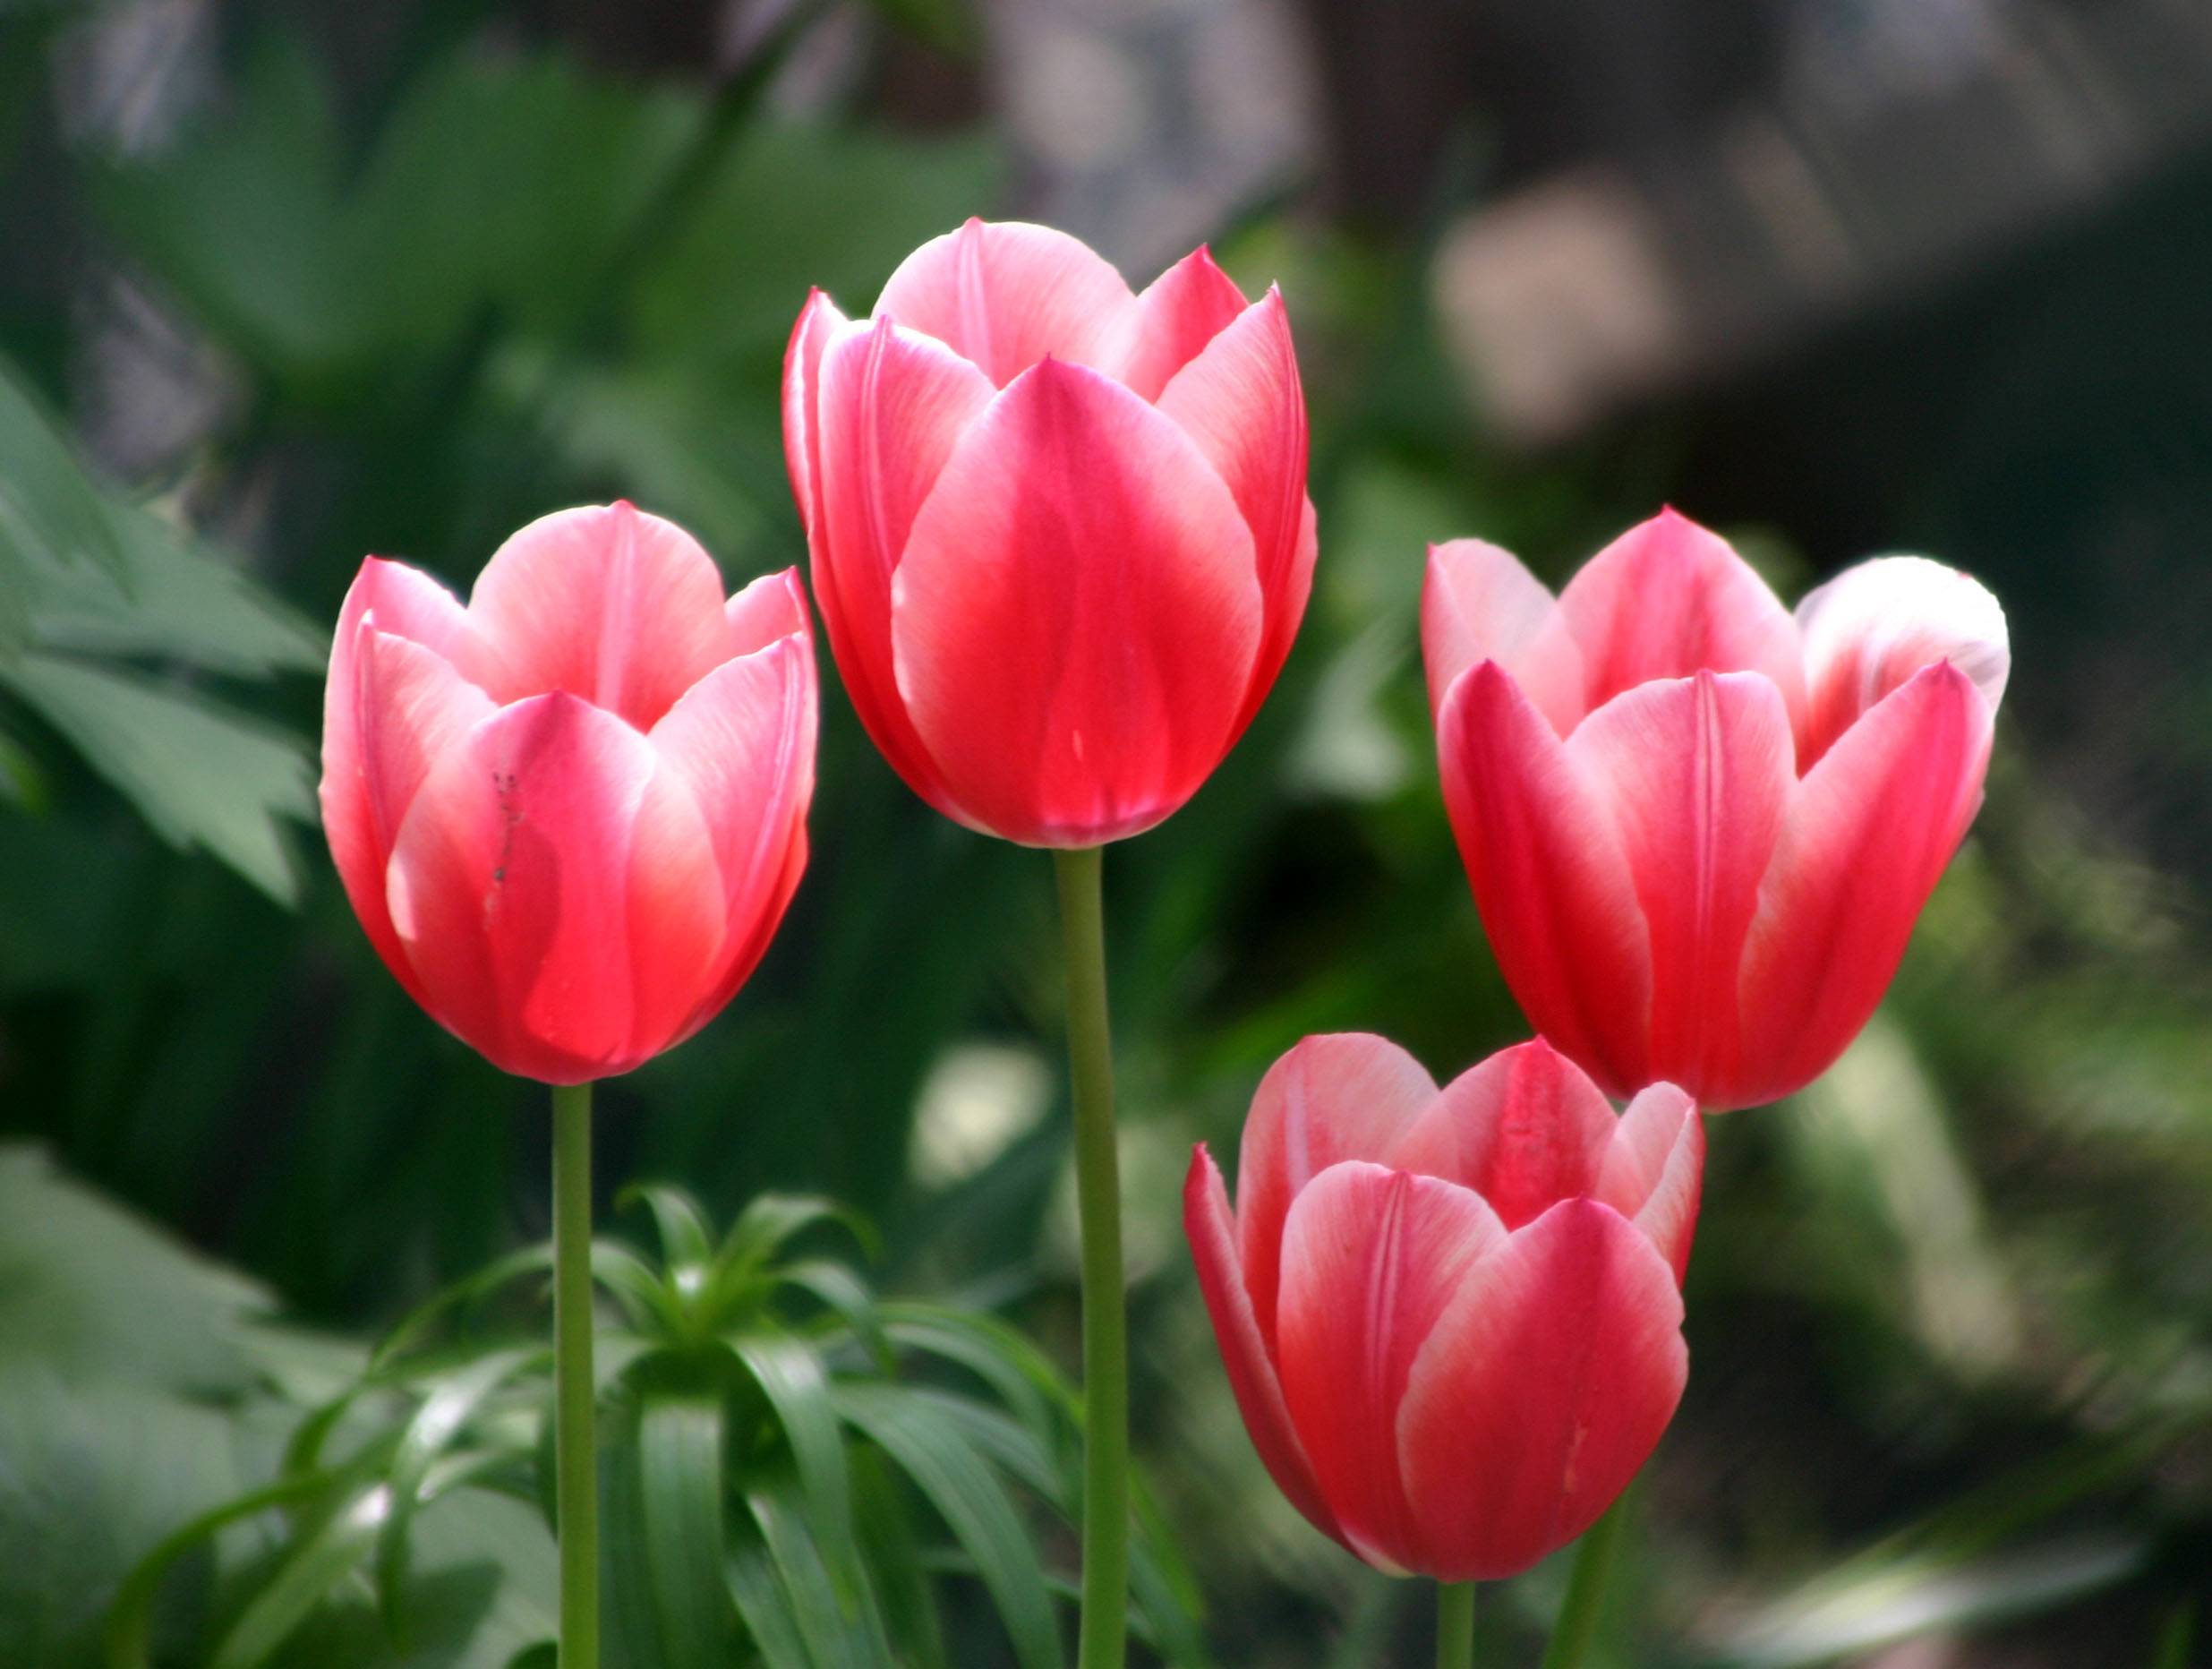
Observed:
{"x":610,"y":603}
{"x":1178,"y":313}
{"x":1670,"y":598}
{"x":405,"y":604}
{"x":1341,"y":1096}
{"x":1655,"y":1170}
{"x":556,"y":893}
{"x":1869,"y":833}
{"x":1211,"y":1227}
{"x":1698,"y":772}
{"x":1479,"y":603}
{"x":1874,"y":625}
{"x":1539,"y":1393}
{"x":1239,"y":402}
{"x":1005,"y":294}
{"x":818,"y":320}
{"x":742,"y":741}
{"x":1549,"y":875}
{"x":1371,"y":1259}
{"x":1524,"y":1129}
{"x":1074,"y":622}
{"x":892,"y":407}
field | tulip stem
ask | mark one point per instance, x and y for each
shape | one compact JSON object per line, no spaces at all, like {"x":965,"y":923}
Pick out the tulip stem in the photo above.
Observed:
{"x":1454,"y":1625}
{"x":1584,"y":1603}
{"x":575,"y":1393}
{"x":1105,"y":1624}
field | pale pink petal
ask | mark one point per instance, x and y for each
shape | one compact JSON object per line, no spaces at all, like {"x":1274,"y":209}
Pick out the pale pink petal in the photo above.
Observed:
{"x":1524,"y":1129}
{"x":742,"y":741}
{"x":1869,"y":833}
{"x":609,"y":603}
{"x":1005,"y":294}
{"x":1180,"y":312}
{"x":1698,"y":772}
{"x":892,"y":407}
{"x":556,"y":895}
{"x":1344,"y":1095}
{"x":772,"y":606}
{"x":1655,"y":1170}
{"x":413,"y":707}
{"x":1479,"y":603}
{"x":1550,"y":876}
{"x":1211,"y":1227}
{"x":1371,"y":1259}
{"x":817,"y":321}
{"x":1075,"y":618}
{"x":1239,"y":400}
{"x":1539,"y":1393}
{"x":1670,"y":598}
{"x":1874,"y":625}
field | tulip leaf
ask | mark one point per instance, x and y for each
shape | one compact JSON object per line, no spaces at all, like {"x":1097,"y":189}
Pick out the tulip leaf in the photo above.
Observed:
{"x":680,"y":1500}
{"x":840,"y":1627}
{"x":765,"y":1604}
{"x":790,"y":1375}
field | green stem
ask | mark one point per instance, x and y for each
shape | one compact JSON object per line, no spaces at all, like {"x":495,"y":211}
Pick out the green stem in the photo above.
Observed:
{"x":575,"y":1396}
{"x":1584,"y":1603}
{"x":1454,"y":1625}
{"x":1105,"y":1325}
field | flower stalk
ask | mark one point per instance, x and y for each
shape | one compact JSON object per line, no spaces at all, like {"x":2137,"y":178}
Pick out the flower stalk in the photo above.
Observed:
{"x":575,"y":1394}
{"x":1454,"y":1625}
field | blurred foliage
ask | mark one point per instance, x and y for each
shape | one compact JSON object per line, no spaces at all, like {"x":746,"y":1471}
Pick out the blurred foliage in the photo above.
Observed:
{"x":1950,"y":1313}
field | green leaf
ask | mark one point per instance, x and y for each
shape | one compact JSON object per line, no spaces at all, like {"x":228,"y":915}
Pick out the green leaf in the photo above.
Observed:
{"x":770,"y":1221}
{"x":687,"y":1243}
{"x":893,"y":1549}
{"x":846,"y":1296}
{"x":680,"y":1470}
{"x":841,"y":1629}
{"x":201,"y":773}
{"x":959,"y":1481}
{"x":763,"y":1600}
{"x":646,"y":1298}
{"x":412,"y":1327}
{"x":791,"y":1377}
{"x":52,"y":518}
{"x":327,"y":1553}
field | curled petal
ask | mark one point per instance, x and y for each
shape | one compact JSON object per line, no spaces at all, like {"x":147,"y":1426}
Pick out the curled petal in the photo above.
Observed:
{"x":1550,"y":876}
{"x":1698,"y":772}
{"x":1874,"y":625}
{"x":1179,"y":313}
{"x":817,"y":321}
{"x":1006,"y":295}
{"x":772,"y":606}
{"x":556,"y":893}
{"x":610,"y":603}
{"x":1670,"y":599}
{"x":1540,"y":1393}
{"x":1655,"y":1169}
{"x":1074,"y":622}
{"x":1372,"y":1260}
{"x":1869,"y":833}
{"x":1524,"y":1129}
{"x":1211,"y":1227}
{"x":1479,"y":603}
{"x":1342,"y":1096}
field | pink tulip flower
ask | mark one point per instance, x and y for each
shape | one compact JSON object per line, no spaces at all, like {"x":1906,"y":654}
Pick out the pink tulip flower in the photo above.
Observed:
{"x":1699,"y":830}
{"x":1059,"y":531}
{"x":571,"y":814}
{"x":1452,"y":1318}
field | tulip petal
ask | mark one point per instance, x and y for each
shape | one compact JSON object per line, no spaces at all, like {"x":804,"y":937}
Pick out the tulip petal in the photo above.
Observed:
{"x":742,"y":741}
{"x":1178,"y":313}
{"x":818,"y":320}
{"x":1212,"y":1229}
{"x":1371,"y":1259}
{"x":1539,"y":1393}
{"x":1699,"y":773}
{"x":1550,"y":876}
{"x":556,"y":893}
{"x":1655,"y":1170}
{"x":1874,"y":625}
{"x":1668,"y":599}
{"x":1075,"y":621}
{"x":772,"y":606}
{"x":892,"y":407}
{"x":1524,"y":1129}
{"x":1479,"y":603}
{"x":610,"y":603}
{"x":1239,"y":402}
{"x":1342,"y":1096}
{"x":413,"y":708}
{"x":1006,"y":295}
{"x":1869,"y":833}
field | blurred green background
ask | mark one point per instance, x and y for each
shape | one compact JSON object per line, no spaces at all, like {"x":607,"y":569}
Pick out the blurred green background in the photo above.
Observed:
{"x":284,"y":284}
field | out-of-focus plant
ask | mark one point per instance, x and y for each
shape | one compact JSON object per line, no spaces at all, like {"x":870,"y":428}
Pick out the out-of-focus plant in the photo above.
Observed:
{"x":794,"y":1471}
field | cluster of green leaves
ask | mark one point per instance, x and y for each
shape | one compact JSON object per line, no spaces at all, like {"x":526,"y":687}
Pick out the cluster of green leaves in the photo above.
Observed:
{"x":786,"y":1480}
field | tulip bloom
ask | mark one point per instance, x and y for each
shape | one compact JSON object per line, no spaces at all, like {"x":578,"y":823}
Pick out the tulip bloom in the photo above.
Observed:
{"x":1700,"y":830}
{"x":1451,"y":1318}
{"x":571,"y":814}
{"x":1059,"y":531}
